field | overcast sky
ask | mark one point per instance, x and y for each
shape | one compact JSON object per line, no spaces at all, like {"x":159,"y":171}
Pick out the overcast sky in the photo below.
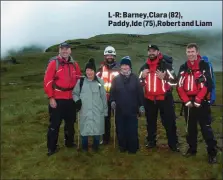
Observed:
{"x":50,"y":22}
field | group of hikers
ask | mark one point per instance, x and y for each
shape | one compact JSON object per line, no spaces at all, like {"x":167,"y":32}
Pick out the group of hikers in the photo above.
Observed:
{"x":114,"y":89}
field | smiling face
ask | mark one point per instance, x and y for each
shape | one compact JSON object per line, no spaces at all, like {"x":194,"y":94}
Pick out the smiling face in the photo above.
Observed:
{"x":152,"y":53}
{"x":191,"y":53}
{"x":109,"y":58}
{"x":65,"y":52}
{"x":90,"y":73}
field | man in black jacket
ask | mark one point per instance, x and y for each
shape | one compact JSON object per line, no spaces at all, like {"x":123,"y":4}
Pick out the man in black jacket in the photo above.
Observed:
{"x":127,"y":98}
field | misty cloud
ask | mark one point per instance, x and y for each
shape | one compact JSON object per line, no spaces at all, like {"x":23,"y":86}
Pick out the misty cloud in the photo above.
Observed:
{"x":47,"y":23}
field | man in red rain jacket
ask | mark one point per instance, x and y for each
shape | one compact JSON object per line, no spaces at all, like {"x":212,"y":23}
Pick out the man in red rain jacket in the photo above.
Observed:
{"x":60,"y":78}
{"x":194,"y":87}
{"x":156,"y":74}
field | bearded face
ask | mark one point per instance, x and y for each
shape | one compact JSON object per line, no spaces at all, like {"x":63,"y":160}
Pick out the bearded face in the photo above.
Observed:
{"x":152,"y":54}
{"x":109,"y":59}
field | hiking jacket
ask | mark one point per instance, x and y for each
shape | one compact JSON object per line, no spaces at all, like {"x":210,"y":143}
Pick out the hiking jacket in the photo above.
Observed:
{"x":107,"y":73}
{"x":194,"y":85}
{"x":59,"y":84}
{"x":94,"y":106}
{"x":127,"y":94}
{"x":154,"y":87}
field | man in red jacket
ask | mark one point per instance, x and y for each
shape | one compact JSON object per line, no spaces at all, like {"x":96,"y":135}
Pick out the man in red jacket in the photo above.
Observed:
{"x":156,"y":74}
{"x":193,"y":88}
{"x":60,"y":78}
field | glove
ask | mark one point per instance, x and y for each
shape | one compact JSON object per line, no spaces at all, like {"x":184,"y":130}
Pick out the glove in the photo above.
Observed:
{"x":189,"y":104}
{"x":78,"y":105}
{"x":113,"y":105}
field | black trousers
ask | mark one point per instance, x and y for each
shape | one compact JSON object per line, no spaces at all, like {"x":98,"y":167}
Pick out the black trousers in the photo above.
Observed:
{"x":107,"y":134}
{"x":65,"y":110}
{"x":202,"y":116}
{"x":168,"y":119}
{"x":127,"y":132}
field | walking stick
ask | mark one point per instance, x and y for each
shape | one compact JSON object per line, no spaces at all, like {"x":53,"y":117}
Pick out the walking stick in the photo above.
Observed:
{"x":78,"y":134}
{"x":187,"y":122}
{"x":114,"y":129}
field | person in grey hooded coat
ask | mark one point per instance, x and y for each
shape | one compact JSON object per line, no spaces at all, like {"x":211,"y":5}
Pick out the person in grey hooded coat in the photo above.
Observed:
{"x":92,"y":103}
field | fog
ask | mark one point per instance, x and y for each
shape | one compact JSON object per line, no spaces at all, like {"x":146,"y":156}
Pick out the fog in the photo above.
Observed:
{"x":50,"y":22}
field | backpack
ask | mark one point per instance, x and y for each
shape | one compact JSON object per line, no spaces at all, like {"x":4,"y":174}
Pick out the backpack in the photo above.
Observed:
{"x":213,"y":90}
{"x":82,"y":82}
{"x":57,"y":62}
{"x":168,"y":59}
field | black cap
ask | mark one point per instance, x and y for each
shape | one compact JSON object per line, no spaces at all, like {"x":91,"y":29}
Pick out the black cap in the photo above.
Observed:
{"x":90,"y":64}
{"x":64,"y":44}
{"x":152,"y":46}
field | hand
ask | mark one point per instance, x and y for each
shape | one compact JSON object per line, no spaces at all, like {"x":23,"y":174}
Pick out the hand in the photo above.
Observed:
{"x":144,"y":73}
{"x":113,"y":105}
{"x":196,"y":104}
{"x":78,"y":105}
{"x":189,"y":104}
{"x":53,"y":103}
{"x":160,"y":74}
{"x":141,"y":110}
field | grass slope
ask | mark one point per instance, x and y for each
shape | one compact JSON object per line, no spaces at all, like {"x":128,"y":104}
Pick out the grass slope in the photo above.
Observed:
{"x":24,"y":122}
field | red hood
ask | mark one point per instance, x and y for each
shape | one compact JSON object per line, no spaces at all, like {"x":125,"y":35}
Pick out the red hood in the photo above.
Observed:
{"x":155,"y":61}
{"x":196,"y":63}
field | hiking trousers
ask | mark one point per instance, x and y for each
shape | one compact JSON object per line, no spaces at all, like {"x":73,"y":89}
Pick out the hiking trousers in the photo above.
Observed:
{"x":202,"y":116}
{"x":96,"y":141}
{"x":107,"y":134}
{"x":168,"y":120}
{"x":65,"y":110}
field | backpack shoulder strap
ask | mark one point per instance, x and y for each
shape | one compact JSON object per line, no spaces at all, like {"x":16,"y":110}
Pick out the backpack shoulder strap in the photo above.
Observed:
{"x":81,"y":83}
{"x":99,"y":83}
{"x":73,"y":62}
{"x":57,"y":64}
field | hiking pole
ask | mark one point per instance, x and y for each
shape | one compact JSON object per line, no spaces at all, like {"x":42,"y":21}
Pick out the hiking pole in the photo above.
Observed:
{"x":114,"y":129}
{"x":78,"y":129}
{"x":187,"y":122}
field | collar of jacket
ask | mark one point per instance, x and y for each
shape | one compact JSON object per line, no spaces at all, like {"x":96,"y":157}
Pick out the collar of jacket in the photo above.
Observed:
{"x":155,"y":61}
{"x":61,"y":59}
{"x":194,"y":66}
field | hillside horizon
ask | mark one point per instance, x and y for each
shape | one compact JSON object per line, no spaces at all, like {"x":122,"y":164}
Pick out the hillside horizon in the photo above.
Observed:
{"x":135,"y":45}
{"x":171,"y":43}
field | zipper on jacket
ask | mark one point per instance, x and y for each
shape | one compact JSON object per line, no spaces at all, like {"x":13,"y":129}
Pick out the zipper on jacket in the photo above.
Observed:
{"x":154,"y":83}
{"x":149,"y":82}
{"x":188,"y":83}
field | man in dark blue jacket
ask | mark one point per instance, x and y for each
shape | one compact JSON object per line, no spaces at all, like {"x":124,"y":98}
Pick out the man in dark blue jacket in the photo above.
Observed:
{"x":126,"y":98}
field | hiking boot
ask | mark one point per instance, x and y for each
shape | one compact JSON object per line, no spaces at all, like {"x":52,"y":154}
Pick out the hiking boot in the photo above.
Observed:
{"x":105,"y":142}
{"x":150,"y":145}
{"x":212,"y":159}
{"x":73,"y":145}
{"x":175,"y":149}
{"x":190,"y":153}
{"x":50,"y":152}
{"x":122,"y":150}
